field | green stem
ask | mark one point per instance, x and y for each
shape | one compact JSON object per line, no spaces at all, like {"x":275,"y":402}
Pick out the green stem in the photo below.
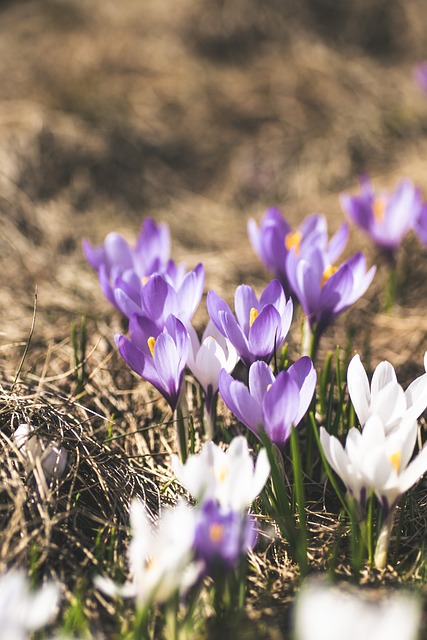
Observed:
{"x":299,"y":490}
{"x":181,"y":432}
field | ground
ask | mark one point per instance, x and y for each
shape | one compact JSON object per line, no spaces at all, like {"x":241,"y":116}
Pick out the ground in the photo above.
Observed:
{"x":200,"y":115}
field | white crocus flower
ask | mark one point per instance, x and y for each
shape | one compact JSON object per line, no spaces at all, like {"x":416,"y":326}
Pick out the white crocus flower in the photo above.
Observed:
{"x":52,"y":457}
{"x":373,"y":461}
{"x":160,"y":558}
{"x":21,"y":609}
{"x":229,"y":477}
{"x":325,"y":612}
{"x":206,"y":358}
{"x":385,"y":397}
{"x":377,"y":462}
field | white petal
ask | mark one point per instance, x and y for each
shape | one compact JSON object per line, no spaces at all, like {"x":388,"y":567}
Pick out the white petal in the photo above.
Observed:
{"x":358,"y":389}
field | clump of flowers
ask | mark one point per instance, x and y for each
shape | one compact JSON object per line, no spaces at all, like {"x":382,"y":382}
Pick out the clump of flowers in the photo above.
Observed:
{"x":274,"y":239}
{"x":190,"y":543}
{"x":379,"y":459}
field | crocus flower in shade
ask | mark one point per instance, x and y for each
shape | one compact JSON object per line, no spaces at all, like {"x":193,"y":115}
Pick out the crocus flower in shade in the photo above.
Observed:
{"x":333,"y":612}
{"x":261,"y":325}
{"x":385,"y":217}
{"x":272,"y":404}
{"x":228,"y":477}
{"x":160,"y":558}
{"x":420,"y":226}
{"x":274,"y":238}
{"x":222,"y":537}
{"x":115,"y":257}
{"x":205,"y":361}
{"x":162,"y":360}
{"x":385,"y":397}
{"x":52,"y":457}
{"x":421,"y":76}
{"x":23,"y":610}
{"x":159,"y":298}
{"x":323,"y":290}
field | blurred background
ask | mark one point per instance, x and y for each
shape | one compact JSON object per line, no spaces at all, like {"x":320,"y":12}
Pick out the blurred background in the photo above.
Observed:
{"x":200,"y":114}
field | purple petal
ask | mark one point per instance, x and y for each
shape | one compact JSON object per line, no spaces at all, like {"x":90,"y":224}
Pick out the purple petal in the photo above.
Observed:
{"x":158,"y":299}
{"x":191,"y":290}
{"x":280,"y":408}
{"x":273,"y":294}
{"x":337,"y":243}
{"x":260,"y":378}
{"x":234,"y":333}
{"x":245,"y":300}
{"x":140,"y":330}
{"x":215,"y":304}
{"x":240,"y":402}
{"x":264,"y":334}
{"x":131,"y":354}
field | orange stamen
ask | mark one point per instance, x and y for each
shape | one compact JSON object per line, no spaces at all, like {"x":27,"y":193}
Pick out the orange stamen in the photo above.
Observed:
{"x":379,"y":207}
{"x":151,"y":342}
{"x":216,"y":532}
{"x":293,"y":241}
{"x":253,"y":315}
{"x":328,"y":272}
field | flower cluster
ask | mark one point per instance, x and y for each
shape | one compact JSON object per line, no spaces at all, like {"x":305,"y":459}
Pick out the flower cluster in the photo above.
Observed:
{"x":379,"y":459}
{"x":189,"y":543}
{"x":304,"y":262}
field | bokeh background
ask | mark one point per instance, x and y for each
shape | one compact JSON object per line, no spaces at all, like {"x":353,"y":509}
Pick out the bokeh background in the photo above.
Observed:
{"x":200,"y":114}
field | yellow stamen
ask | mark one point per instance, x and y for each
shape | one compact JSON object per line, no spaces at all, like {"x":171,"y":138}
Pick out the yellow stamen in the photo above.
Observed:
{"x":328,"y":272}
{"x":222,"y":474}
{"x":252,"y":316}
{"x":151,"y":342}
{"x":293,"y":241}
{"x":395,"y":459}
{"x":269,"y":387}
{"x":216,"y":532}
{"x":379,"y":207}
{"x":144,"y":280}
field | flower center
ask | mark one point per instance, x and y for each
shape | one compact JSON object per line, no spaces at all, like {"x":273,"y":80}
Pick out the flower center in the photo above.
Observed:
{"x":151,"y":342}
{"x":293,"y":240}
{"x":222,"y":474}
{"x":144,"y":280}
{"x":253,"y":315}
{"x":395,"y":459}
{"x":379,"y":207}
{"x":328,"y":272}
{"x":216,"y":532}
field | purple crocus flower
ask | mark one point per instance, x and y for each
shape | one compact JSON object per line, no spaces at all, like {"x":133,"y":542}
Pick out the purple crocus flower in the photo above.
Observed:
{"x":222,"y":537}
{"x":261,"y":325}
{"x":274,"y":238}
{"x":115,"y":257}
{"x":385,"y":217}
{"x":325,"y":291}
{"x":159,"y":298}
{"x":272,"y":404}
{"x":421,"y":76}
{"x":420,"y":226}
{"x":162,"y":359}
